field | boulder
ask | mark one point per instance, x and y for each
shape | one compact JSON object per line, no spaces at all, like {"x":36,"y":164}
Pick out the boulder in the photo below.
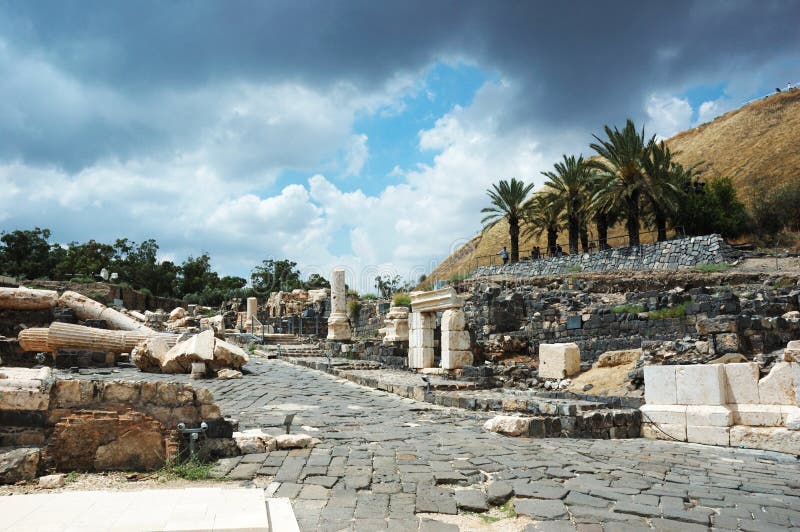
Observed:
{"x":149,"y":354}
{"x":154,"y":355}
{"x":792,"y":351}
{"x":18,"y":464}
{"x":227,"y":355}
{"x":178,"y":313}
{"x":508,"y":425}
{"x":611,"y":359}
{"x":254,"y":441}
{"x":50,"y":482}
{"x":226,"y":373}
{"x":294,"y":441}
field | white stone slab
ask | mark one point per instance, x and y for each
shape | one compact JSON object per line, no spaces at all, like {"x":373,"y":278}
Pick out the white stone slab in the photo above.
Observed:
{"x":708,"y":435}
{"x":421,"y":320}
{"x":664,"y":431}
{"x":700,"y":384}
{"x":659,"y":385}
{"x":790,"y":417}
{"x":557,"y":361}
{"x":742,"y":383}
{"x":669,"y":414}
{"x":454,"y":359}
{"x":436,"y":300}
{"x":777,"y":388}
{"x":281,"y":515}
{"x":455,"y":341}
{"x":453,"y":320}
{"x":757,"y":415}
{"x":420,"y":357}
{"x":709,"y":416}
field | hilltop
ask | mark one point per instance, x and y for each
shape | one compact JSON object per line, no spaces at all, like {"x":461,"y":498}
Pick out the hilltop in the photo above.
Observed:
{"x":755,"y":145}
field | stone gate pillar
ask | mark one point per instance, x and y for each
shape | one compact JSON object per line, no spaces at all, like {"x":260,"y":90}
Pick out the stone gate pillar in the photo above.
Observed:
{"x":338,"y":324}
{"x":420,"y":339}
{"x":252,"y":309}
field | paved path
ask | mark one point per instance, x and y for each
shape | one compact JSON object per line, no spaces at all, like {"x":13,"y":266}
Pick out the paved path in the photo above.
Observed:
{"x":383,"y":459}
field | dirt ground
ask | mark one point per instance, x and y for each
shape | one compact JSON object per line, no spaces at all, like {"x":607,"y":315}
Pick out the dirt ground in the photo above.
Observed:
{"x":605,"y":381}
{"x":784,"y":265}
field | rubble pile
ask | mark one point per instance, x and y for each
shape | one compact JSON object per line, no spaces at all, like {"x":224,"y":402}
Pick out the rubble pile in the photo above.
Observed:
{"x":157,"y":355}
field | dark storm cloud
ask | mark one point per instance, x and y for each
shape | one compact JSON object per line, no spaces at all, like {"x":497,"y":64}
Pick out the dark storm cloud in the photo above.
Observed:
{"x":577,"y":64}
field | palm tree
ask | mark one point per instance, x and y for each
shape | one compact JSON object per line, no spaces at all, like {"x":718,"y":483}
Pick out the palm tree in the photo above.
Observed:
{"x":623,"y":154}
{"x":661,"y":188}
{"x":569,"y":186}
{"x":508,"y":200}
{"x":543,"y":214}
{"x":602,"y":216}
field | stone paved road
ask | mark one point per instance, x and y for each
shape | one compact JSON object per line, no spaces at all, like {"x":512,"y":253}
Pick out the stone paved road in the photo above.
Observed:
{"x":383,"y":459}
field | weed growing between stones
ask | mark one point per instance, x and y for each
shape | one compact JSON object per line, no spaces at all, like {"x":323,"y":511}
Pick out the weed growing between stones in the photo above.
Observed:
{"x":627,"y":309}
{"x":192,"y":469}
{"x":678,"y":311}
{"x":498,"y":514}
{"x":713,"y":268}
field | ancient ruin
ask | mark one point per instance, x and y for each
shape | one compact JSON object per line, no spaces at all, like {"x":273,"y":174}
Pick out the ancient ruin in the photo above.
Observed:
{"x":338,"y":322}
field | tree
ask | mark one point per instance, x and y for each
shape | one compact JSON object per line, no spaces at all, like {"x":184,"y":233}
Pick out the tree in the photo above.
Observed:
{"x":508,"y":199}
{"x":84,"y":259}
{"x":26,"y":253}
{"x":712,"y":207}
{"x":275,"y":275}
{"x":661,"y":186}
{"x":315,"y":280}
{"x":195,"y":275}
{"x":569,"y":188}
{"x":387,"y":285}
{"x":543,"y":215}
{"x":229,"y":283}
{"x":623,"y":154}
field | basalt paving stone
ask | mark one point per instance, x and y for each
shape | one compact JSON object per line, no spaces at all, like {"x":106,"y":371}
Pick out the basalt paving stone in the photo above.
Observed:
{"x":358,"y":424}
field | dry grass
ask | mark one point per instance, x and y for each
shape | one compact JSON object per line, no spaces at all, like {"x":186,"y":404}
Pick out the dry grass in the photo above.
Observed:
{"x":754,"y":144}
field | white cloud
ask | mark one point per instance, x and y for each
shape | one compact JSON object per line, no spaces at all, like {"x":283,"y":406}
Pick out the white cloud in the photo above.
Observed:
{"x":357,"y":154}
{"x":708,"y":111}
{"x":667,"y":115}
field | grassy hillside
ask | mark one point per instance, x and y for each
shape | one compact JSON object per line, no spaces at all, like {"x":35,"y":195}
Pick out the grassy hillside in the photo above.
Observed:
{"x":756,"y":145}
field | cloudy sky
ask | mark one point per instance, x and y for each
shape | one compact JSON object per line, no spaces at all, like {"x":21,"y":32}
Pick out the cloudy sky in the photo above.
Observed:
{"x":358,"y":134}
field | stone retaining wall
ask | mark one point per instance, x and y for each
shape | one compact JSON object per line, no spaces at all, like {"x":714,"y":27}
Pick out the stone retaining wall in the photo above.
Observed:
{"x":669,"y":255}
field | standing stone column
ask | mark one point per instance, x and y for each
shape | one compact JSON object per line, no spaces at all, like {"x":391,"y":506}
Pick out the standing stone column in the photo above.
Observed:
{"x":420,"y":339}
{"x":456,"y":351}
{"x":338,"y":324}
{"x":252,"y":309}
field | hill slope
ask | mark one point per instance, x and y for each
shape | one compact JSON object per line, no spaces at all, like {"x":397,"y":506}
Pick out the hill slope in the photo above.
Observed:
{"x":755,"y":145}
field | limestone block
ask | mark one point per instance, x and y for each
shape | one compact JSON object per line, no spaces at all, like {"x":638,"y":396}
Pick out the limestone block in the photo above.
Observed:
{"x":777,"y":388}
{"x":421,"y":320}
{"x":716,"y":325}
{"x":659,"y":385}
{"x":420,"y":357}
{"x":436,"y":300}
{"x":768,"y":438}
{"x":557,"y":361}
{"x":700,"y":384}
{"x":508,"y":425}
{"x":339,"y":327}
{"x":708,"y":435}
{"x":49,"y":482}
{"x":790,"y":417}
{"x":66,"y":392}
{"x":27,"y":299}
{"x":709,"y":416}
{"x":664,"y":414}
{"x":792,"y":351}
{"x":455,"y":341}
{"x":294,"y":441}
{"x":120,"y":392}
{"x":420,"y":338}
{"x":453,"y":320}
{"x":227,"y":355}
{"x":198,"y":348}
{"x":757,"y":415}
{"x":665,"y":431}
{"x":742,"y":383}
{"x":456,"y":359}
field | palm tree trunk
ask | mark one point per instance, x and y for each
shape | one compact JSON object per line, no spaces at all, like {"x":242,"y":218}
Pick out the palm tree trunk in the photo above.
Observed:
{"x":601,"y":221}
{"x":574,"y":227}
{"x":513,"y":232}
{"x":552,"y":236}
{"x":661,"y":224}
{"x":632,"y":222}
{"x":584,"y":237}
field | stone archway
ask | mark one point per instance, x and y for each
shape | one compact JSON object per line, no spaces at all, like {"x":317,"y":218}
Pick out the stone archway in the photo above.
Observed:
{"x":455,"y":341}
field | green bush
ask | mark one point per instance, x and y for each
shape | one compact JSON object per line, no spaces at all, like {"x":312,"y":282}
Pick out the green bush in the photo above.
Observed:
{"x":354,"y":308}
{"x":190,"y":470}
{"x":401,"y":299}
{"x":369,"y":297}
{"x":146,"y":291}
{"x":677,"y":311}
{"x":627,"y":309}
{"x":82,"y":280}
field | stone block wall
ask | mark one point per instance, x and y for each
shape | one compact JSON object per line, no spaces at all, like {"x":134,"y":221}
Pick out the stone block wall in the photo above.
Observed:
{"x":724,"y":404}
{"x":669,"y":255}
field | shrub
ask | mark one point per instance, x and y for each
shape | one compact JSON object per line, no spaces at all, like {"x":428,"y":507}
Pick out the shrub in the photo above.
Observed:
{"x":677,"y":311}
{"x":146,"y":291}
{"x":627,"y":309}
{"x":369,"y":297}
{"x":190,"y":470}
{"x":82,"y":279}
{"x":401,"y":299}
{"x":354,"y":308}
